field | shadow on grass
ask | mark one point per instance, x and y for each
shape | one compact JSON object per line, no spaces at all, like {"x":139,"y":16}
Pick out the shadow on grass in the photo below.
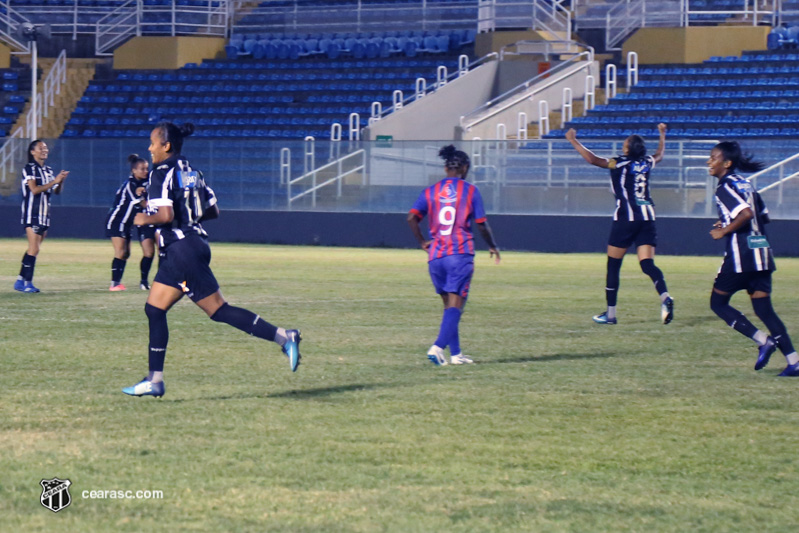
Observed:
{"x":552,"y":357}
{"x":299,"y":394}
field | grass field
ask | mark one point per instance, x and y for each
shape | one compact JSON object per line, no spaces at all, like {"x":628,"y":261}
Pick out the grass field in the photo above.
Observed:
{"x":562,"y":425}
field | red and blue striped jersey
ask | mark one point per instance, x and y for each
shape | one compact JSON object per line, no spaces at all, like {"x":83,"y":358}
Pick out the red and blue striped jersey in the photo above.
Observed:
{"x":452,"y":204}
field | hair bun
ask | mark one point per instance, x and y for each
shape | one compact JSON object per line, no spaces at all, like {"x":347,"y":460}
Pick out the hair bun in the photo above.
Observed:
{"x":187,"y":129}
{"x":133,"y":158}
{"x":447,"y":152}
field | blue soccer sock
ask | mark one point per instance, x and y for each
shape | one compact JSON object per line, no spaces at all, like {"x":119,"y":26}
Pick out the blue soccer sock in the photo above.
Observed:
{"x":248,"y":322}
{"x":449,"y":330}
{"x":159,"y":337}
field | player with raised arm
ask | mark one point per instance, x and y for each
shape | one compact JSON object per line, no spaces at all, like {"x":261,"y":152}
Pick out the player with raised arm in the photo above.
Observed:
{"x":452,"y":205}
{"x":178,"y":201}
{"x":38,"y":183}
{"x":633,"y":219}
{"x":748,"y":259}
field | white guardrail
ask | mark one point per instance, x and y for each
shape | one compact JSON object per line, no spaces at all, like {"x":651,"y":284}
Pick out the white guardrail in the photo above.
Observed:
{"x":11,"y":151}
{"x":359,"y":159}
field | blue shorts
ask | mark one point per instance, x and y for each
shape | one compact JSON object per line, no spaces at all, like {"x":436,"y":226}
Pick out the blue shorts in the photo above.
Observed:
{"x":185,"y":265}
{"x":452,"y":273}
{"x":624,"y":233}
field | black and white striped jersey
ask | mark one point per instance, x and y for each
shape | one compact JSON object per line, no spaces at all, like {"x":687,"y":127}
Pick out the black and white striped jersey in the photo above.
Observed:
{"x":126,"y":205}
{"x":629,"y":182}
{"x":36,"y":207}
{"x":747,"y":248}
{"x":175,"y":183}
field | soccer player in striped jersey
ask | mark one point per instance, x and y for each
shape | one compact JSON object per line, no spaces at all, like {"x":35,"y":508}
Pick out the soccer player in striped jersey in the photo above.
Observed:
{"x":633,"y":219}
{"x":452,"y":205}
{"x":129,"y":201}
{"x":748,"y":259}
{"x":38,"y":183}
{"x":178,"y":201}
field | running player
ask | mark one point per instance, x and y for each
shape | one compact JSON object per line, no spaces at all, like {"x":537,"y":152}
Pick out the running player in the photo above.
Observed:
{"x":748,"y":259}
{"x":634,"y":218}
{"x":179,"y":201}
{"x":452,"y":204}
{"x":38,"y":183}
{"x":128,"y":201}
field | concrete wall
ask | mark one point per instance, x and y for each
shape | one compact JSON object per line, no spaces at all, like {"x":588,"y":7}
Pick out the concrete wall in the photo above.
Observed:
{"x":694,"y":44}
{"x":167,"y":52}
{"x":559,"y":234}
{"x":435,"y":116}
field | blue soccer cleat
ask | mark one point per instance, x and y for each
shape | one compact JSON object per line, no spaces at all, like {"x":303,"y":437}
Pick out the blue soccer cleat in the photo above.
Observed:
{"x":603,"y":319}
{"x":667,"y":310}
{"x":29,"y":287}
{"x":19,"y":285}
{"x":791,"y":371}
{"x":146,"y":388}
{"x":292,"y":348}
{"x":764,"y":353}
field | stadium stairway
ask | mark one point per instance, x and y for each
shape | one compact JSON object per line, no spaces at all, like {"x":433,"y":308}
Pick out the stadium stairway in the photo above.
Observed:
{"x":79,"y":73}
{"x":755,"y":95}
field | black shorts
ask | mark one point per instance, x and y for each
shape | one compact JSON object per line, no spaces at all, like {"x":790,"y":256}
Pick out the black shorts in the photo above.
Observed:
{"x":37,"y":229}
{"x":185,"y":265}
{"x":146,"y":232}
{"x":116,"y":232}
{"x":749,"y":281}
{"x":624,"y":233}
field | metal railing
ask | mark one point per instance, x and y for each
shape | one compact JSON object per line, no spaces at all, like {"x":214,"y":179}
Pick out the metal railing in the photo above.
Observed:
{"x":340,"y":174}
{"x":10,"y":19}
{"x":622,"y":20}
{"x":51,"y":86}
{"x":522,"y":92}
{"x":361,"y":15}
{"x":543,"y":15}
{"x":117,"y":27}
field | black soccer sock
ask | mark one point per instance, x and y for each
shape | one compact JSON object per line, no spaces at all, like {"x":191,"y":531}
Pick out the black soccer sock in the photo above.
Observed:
{"x":246,"y":321}
{"x":649,"y":268}
{"x":28,"y":266}
{"x":146,"y":263}
{"x":159,"y":336}
{"x":765,"y":312}
{"x":720,"y":304}
{"x":612,"y":281}
{"x":117,"y":270}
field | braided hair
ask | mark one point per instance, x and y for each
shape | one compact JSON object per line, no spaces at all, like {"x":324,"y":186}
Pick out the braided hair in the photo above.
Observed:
{"x":455,"y":159}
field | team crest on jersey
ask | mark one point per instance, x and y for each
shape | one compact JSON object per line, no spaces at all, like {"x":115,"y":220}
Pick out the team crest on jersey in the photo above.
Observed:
{"x":187,"y":179}
{"x":55,"y":494}
{"x":447,"y":194}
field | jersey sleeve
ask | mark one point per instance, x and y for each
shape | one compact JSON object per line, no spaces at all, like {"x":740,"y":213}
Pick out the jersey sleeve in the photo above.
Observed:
{"x":27,"y":175}
{"x":420,"y":206}
{"x":651,"y":160}
{"x":130,"y":191}
{"x":477,"y":206}
{"x":211,"y":195}
{"x":762,"y":210}
{"x":732,"y":200}
{"x":158,"y":190}
{"x":613,"y":162}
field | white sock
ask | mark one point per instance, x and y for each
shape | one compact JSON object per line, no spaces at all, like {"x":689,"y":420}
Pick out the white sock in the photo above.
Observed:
{"x":156,"y":377}
{"x":792,"y":358}
{"x":760,"y":338}
{"x":280,"y":337}
{"x":611,"y":311}
{"x":663,"y":297}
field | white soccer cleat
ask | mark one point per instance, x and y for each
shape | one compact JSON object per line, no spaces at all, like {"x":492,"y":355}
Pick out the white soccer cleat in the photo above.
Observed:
{"x":461,"y":359}
{"x":436,"y":356}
